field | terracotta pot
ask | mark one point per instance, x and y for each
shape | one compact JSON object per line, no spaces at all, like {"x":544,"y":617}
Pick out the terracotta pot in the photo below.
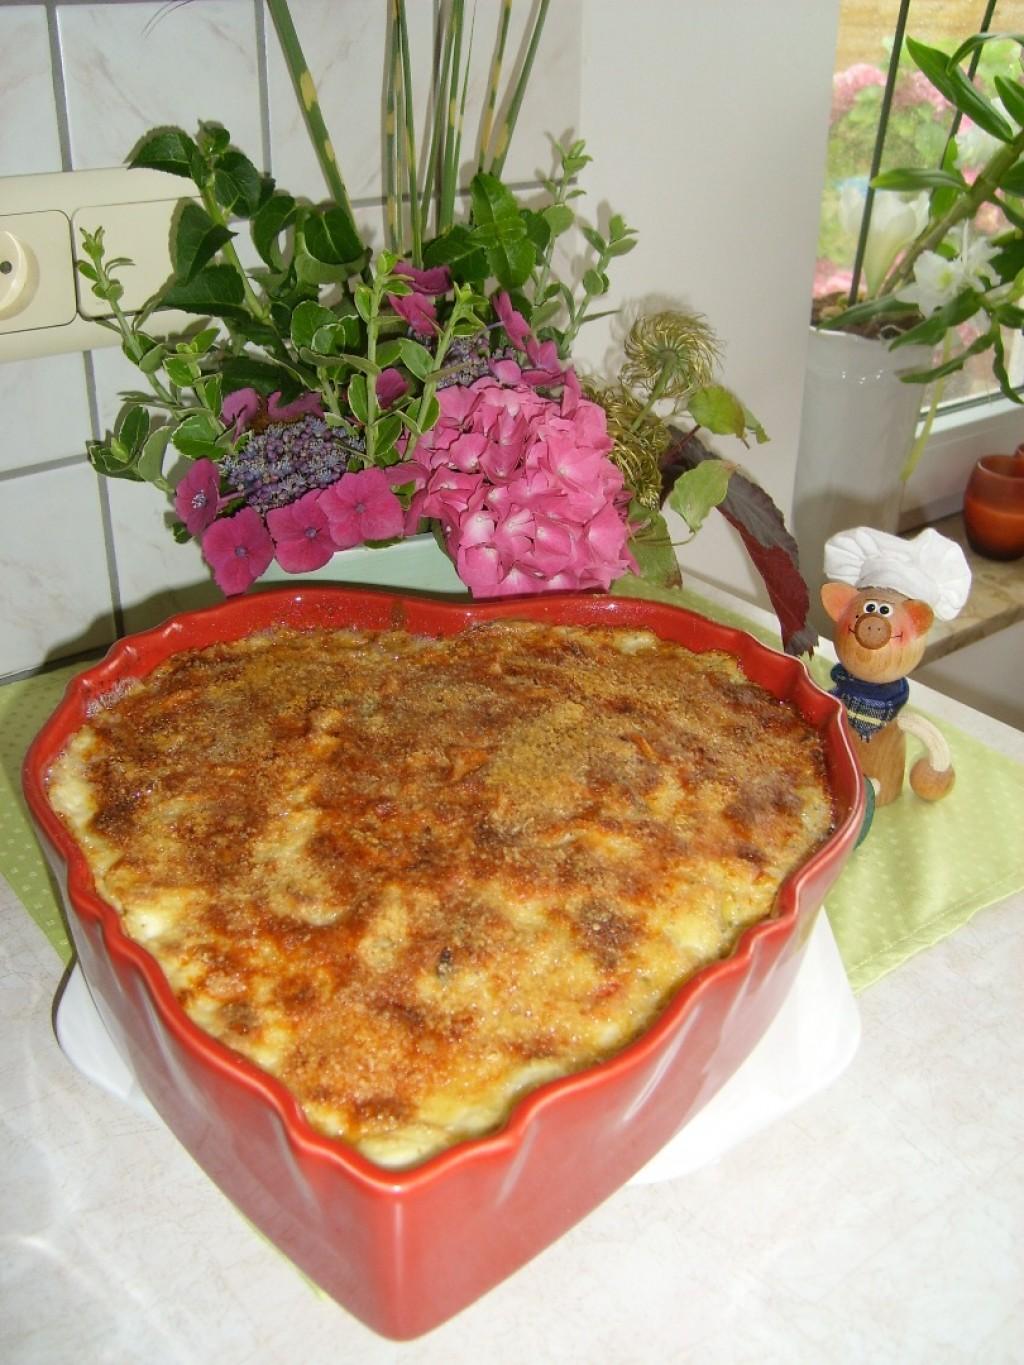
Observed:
{"x":994,"y":506}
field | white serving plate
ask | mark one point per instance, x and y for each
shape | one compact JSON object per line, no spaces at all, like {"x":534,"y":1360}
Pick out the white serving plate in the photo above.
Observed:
{"x":811,"y":1041}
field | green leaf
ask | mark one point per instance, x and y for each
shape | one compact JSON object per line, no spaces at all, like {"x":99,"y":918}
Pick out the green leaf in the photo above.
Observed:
{"x":197,"y":238}
{"x":314,"y":272}
{"x":537,"y":229}
{"x":237,"y":184}
{"x":388,"y":430}
{"x":196,"y":436}
{"x":307,"y":318}
{"x":356,"y":362}
{"x":132,"y":428}
{"x":461,"y":251}
{"x":717,"y":409}
{"x":214,"y":139}
{"x":1013,"y":98}
{"x":501,"y":231}
{"x":152,"y":360}
{"x":652,"y":548}
{"x":1013,"y":180}
{"x":909,"y":178}
{"x":950,"y":81}
{"x":357,"y":397}
{"x":697,"y":491}
{"x":427,"y":417}
{"x":181,"y":371}
{"x":416,"y":358}
{"x":622,"y":247}
{"x":594,"y":282}
{"x":559,"y":218}
{"x":216,"y":290}
{"x":363,"y":298}
{"x":167,"y":149}
{"x":594,"y":238}
{"x":931,"y":331}
{"x":245,"y":372}
{"x":331,"y":237}
{"x":277,"y":214}
{"x":337,"y":335}
{"x":104,"y":460}
{"x":150,"y":464}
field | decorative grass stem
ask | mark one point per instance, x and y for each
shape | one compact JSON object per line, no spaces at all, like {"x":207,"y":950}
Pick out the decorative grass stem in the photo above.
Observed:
{"x":509,"y":122}
{"x":452,"y":136}
{"x":392,"y":212}
{"x":409,"y":119}
{"x":305,"y":90}
{"x":493,"y":82}
{"x":435,"y":157}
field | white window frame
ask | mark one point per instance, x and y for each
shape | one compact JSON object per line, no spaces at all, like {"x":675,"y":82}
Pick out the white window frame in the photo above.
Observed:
{"x":990,"y":426}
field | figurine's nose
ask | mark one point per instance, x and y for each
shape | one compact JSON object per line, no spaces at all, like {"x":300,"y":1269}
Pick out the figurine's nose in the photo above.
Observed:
{"x":872,"y":631}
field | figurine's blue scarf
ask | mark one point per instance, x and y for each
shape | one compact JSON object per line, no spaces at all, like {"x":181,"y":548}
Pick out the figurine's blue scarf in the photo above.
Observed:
{"x":869,"y":706}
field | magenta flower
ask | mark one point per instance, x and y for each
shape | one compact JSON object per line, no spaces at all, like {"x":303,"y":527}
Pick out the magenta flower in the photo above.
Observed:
{"x":362,"y":507}
{"x":238,"y":549}
{"x":418,"y":311}
{"x":241,"y":409}
{"x":515,"y":325}
{"x":197,"y":496}
{"x":435,"y":281}
{"x":391,"y":386}
{"x":306,"y":405}
{"x":302,"y":537}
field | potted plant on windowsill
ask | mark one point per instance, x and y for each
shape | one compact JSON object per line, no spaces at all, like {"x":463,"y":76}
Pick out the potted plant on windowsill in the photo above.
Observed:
{"x":338,"y":397}
{"x":929,"y":293}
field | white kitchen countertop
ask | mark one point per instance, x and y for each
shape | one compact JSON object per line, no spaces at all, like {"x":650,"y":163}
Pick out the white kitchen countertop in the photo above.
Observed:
{"x":882,"y":1221}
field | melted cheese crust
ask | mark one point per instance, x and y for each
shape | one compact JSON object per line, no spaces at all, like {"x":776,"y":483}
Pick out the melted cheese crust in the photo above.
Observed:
{"x":415,"y":878}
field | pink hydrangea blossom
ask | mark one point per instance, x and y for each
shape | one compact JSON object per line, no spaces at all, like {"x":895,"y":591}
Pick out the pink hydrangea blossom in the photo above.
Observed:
{"x":301,"y":534}
{"x":238,"y":549}
{"x":914,"y":87}
{"x":197,"y":496}
{"x":526,"y":496}
{"x":847,"y":85}
{"x":362,"y":507}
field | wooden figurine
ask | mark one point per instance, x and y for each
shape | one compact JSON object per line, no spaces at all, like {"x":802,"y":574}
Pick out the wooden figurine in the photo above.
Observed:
{"x":883,"y":593}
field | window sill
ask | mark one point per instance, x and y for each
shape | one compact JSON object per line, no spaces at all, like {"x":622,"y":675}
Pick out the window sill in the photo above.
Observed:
{"x":996,"y":599}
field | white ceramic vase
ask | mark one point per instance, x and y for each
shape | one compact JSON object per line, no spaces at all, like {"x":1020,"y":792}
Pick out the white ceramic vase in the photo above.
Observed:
{"x":418,"y":563}
{"x":857,"y":427}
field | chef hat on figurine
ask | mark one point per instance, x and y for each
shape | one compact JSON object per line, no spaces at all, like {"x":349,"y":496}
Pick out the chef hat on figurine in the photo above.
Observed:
{"x":930,"y":567}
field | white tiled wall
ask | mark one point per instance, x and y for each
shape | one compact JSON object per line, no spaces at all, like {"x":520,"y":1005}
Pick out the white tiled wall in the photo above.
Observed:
{"x":83,"y":558}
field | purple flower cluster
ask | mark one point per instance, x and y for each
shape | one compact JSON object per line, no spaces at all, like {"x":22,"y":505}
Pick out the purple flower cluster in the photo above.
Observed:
{"x":288,"y":459}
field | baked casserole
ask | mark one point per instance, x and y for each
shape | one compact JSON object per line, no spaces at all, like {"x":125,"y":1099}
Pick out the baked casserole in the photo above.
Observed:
{"x":415,"y":878}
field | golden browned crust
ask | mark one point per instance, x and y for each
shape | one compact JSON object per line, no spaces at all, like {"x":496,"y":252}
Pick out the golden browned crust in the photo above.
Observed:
{"x":414,"y":878}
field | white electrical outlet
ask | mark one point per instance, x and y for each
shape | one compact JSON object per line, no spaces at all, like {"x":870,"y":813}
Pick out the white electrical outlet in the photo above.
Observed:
{"x":45,"y":305}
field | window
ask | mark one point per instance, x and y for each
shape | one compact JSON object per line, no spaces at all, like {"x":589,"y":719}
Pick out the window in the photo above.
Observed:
{"x":918,"y":124}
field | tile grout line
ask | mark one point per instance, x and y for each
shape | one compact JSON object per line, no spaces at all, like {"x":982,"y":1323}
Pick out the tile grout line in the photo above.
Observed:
{"x":60,"y":97}
{"x":43,"y":467}
{"x":110,"y":553}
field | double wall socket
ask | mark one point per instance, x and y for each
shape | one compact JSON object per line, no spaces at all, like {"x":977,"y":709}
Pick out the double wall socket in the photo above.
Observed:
{"x":45,"y":305}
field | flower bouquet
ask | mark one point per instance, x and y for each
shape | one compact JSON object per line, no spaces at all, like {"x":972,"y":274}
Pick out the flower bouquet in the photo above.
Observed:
{"x":336,"y":396}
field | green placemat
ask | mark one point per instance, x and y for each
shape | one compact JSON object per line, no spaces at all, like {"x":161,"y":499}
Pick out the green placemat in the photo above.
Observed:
{"x":922,"y":872}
